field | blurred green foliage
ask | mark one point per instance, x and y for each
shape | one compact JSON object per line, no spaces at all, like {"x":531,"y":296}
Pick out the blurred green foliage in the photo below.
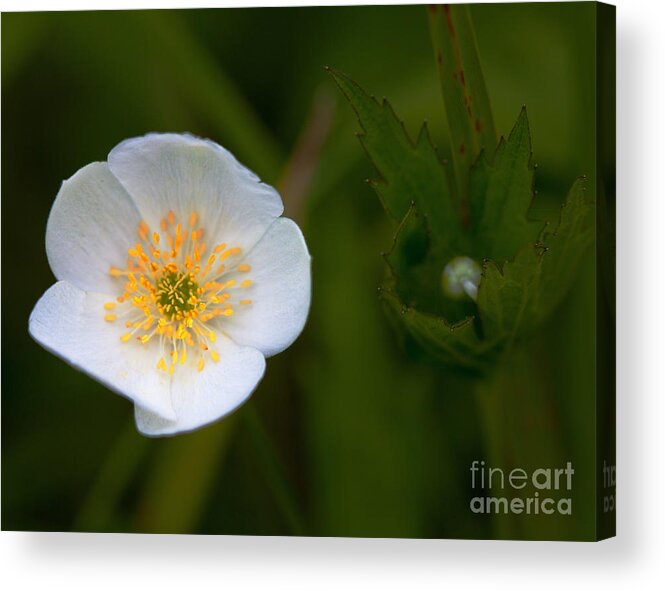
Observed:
{"x":376,"y":441}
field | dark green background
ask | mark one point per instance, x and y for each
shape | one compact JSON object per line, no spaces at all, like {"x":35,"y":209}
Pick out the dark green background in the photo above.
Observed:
{"x":377,"y":442}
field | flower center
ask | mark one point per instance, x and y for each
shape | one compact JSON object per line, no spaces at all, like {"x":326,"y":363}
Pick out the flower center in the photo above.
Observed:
{"x":177,"y":292}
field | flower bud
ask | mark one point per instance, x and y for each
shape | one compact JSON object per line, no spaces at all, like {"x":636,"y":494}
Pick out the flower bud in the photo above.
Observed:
{"x":460,"y":278}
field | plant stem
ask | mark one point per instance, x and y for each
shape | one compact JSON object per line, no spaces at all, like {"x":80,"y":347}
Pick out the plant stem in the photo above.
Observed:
{"x":97,"y":511}
{"x":181,"y":479}
{"x":520,"y":424}
{"x":273,"y":471}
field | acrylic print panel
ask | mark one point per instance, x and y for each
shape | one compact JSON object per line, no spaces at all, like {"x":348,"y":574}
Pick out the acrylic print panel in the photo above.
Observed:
{"x":215,"y":326}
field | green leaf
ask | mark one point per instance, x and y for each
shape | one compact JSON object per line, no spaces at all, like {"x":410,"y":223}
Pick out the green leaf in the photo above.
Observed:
{"x":501,"y":193}
{"x":464,"y":92}
{"x":506,"y":297}
{"x":527,"y":271}
{"x":407,"y":258}
{"x":455,"y":344}
{"x":565,"y":247}
{"x":515,"y":298}
{"x":413,"y":296}
{"x":411,"y":172}
{"x":416,"y":268}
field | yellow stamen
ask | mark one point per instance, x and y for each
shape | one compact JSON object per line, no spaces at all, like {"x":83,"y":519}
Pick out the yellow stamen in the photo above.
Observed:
{"x":170,"y":292}
{"x":143,"y":231}
{"x":227,"y":253}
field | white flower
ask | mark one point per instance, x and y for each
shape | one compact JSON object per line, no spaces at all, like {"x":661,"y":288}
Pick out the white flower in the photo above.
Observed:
{"x":176,"y":279}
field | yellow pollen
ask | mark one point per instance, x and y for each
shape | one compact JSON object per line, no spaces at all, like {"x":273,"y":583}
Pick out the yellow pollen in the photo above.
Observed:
{"x":245,"y":302}
{"x":179,"y":294}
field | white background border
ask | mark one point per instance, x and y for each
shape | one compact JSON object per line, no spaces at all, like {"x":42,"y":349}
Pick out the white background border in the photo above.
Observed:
{"x":635,"y":558}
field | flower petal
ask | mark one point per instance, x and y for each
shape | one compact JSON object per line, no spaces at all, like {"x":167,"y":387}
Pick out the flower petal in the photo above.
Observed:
{"x":202,"y":397}
{"x":70,"y":323}
{"x":185,"y":174}
{"x":280,"y":291}
{"x":92,"y":223}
